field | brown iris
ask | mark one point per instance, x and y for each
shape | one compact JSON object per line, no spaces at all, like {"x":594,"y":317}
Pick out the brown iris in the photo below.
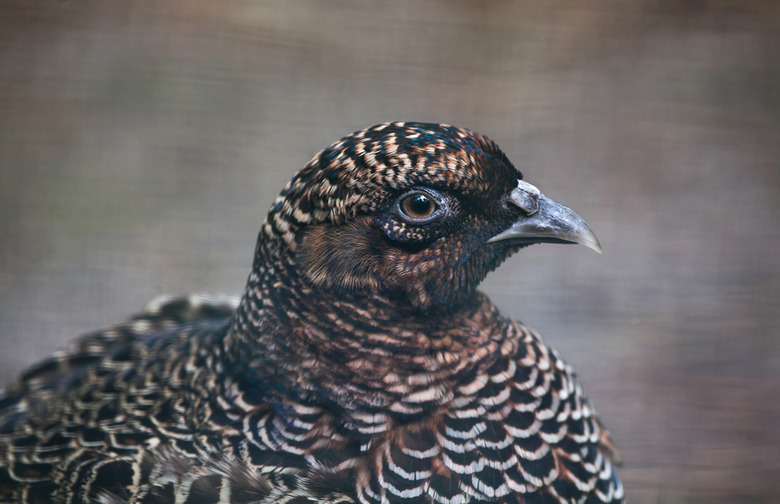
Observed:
{"x":418,"y":205}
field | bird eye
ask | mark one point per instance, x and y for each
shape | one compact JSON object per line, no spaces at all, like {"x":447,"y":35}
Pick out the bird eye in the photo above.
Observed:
{"x":418,"y":207}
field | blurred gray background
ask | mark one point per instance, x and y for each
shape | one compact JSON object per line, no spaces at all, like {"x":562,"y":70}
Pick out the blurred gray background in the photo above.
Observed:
{"x":142,"y":142}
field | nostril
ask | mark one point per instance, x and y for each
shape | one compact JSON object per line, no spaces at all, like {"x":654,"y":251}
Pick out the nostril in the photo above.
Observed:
{"x":525,"y":197}
{"x":528,"y":203}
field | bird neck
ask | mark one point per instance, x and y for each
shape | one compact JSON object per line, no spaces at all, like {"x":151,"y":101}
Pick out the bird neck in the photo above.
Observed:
{"x":291,"y":341}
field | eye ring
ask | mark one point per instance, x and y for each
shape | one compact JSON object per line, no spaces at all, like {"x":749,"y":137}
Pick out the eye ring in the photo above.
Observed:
{"x":419,"y":206}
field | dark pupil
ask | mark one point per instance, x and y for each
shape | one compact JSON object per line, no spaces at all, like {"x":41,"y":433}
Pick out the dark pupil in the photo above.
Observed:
{"x":420,"y":205}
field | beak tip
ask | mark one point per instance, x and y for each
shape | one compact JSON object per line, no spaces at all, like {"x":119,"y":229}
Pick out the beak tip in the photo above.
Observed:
{"x":584,"y":236}
{"x":593,"y":243}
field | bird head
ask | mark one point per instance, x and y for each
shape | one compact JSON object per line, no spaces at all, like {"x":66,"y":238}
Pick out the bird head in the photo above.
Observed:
{"x":414,"y":212}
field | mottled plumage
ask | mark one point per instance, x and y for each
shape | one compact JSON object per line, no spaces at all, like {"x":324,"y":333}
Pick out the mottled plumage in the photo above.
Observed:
{"x":360,"y":365}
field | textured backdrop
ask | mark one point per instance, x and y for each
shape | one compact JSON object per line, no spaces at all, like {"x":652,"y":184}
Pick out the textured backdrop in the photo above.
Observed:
{"x":141,"y":144}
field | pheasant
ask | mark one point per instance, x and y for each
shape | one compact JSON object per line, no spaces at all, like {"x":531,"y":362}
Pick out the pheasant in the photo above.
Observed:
{"x":361,"y":365}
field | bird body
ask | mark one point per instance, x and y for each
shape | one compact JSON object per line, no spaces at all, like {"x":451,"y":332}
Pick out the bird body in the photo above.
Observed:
{"x":360,"y":365}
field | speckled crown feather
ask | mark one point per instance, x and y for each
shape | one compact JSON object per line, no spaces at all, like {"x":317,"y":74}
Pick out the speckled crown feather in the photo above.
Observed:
{"x":360,"y":171}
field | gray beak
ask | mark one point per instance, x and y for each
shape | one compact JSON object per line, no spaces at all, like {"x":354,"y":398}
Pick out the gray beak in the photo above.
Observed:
{"x":545,"y":221}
